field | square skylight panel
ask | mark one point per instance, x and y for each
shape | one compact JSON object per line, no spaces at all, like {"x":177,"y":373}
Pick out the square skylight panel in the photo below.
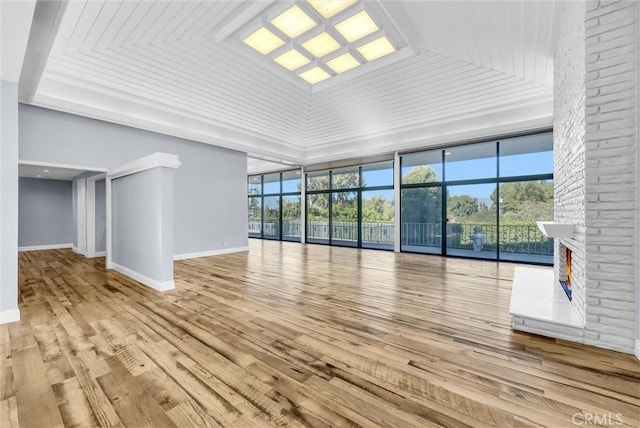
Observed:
{"x":314,"y":75}
{"x":342,"y":63}
{"x":321,"y":45}
{"x":293,"y":22}
{"x":357,"y":26}
{"x":264,"y":41}
{"x":292,"y":60}
{"x":376,"y":49}
{"x":329,"y":8}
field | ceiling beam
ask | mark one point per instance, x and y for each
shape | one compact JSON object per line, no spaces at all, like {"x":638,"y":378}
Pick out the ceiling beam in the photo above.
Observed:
{"x":242,"y":15}
{"x":46,"y":22}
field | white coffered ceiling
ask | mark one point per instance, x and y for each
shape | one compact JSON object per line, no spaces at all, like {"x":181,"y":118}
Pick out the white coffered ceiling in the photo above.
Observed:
{"x":476,"y":68}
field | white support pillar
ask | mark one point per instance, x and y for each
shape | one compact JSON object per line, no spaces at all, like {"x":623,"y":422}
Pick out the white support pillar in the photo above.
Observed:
{"x":109,"y":261}
{"x":303,"y":207}
{"x":396,"y":202}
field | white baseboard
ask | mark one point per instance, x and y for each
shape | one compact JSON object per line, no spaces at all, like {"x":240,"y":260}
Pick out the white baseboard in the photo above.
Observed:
{"x":636,"y":349}
{"x":185,"y":256}
{"x":11,"y":315}
{"x":44,"y":247}
{"x":96,"y":254}
{"x":149,"y":282}
{"x":77,"y":251}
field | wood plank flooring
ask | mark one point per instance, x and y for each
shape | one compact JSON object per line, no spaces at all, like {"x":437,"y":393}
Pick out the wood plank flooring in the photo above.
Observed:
{"x":295,"y":335}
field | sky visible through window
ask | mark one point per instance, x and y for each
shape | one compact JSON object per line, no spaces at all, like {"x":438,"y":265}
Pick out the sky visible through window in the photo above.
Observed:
{"x":510,"y":166}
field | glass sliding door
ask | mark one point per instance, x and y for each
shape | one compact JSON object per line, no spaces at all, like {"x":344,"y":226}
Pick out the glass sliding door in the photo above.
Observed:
{"x":255,"y":216}
{"x":377,"y":227}
{"x":522,"y":203}
{"x":421,"y":202}
{"x":526,"y":196}
{"x":344,"y":206}
{"x":291,"y":214}
{"x":291,"y":218}
{"x":271,"y":222}
{"x":421,"y":220}
{"x":317,"y":206}
{"x":344,"y":218}
{"x":271,"y":206}
{"x":318,"y":218}
{"x":471,"y":223}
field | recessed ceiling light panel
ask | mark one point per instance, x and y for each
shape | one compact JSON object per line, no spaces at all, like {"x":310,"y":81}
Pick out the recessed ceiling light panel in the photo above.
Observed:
{"x":343,"y":63}
{"x":292,"y":60}
{"x":264,"y":41}
{"x":376,"y":49}
{"x":293,"y":22}
{"x":314,"y":75}
{"x":357,"y":26}
{"x":321,"y":45}
{"x":329,"y":8}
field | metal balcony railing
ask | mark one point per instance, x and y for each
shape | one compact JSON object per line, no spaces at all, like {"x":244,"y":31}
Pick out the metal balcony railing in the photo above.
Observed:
{"x":518,"y":239}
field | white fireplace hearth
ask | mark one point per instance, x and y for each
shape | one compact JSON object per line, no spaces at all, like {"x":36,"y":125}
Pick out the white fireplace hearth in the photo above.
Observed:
{"x":536,"y":296}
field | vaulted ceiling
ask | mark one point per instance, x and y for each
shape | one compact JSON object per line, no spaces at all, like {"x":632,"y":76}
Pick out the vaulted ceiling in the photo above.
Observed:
{"x":471,"y":69}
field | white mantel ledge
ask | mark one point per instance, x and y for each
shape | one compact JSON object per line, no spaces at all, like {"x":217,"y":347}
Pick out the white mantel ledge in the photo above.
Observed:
{"x":552,"y":229}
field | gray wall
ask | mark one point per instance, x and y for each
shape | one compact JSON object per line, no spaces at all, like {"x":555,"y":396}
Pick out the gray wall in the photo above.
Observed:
{"x":8,"y":196}
{"x":101,"y":223}
{"x":209,"y":188}
{"x":45,"y":212}
{"x":142,"y":205}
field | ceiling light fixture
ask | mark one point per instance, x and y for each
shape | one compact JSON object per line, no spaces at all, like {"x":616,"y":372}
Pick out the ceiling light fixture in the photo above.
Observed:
{"x":45,"y":170}
{"x":38,"y":176}
{"x":376,"y":49}
{"x":329,"y":8}
{"x":447,"y":153}
{"x":342,"y":63}
{"x":321,"y":45}
{"x":293,"y":22}
{"x":357,"y":26}
{"x":292,"y":60}
{"x":321,"y":37}
{"x":264,"y":41}
{"x":314,"y":75}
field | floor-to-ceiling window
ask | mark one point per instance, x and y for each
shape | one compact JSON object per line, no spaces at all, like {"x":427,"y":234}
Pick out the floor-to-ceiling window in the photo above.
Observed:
{"x":378,"y":209}
{"x":255,"y":206}
{"x":274,"y":205}
{"x":421,"y":208}
{"x":471,"y":217}
{"x":526,"y":195}
{"x":480,"y":200}
{"x":291,"y":205}
{"x":351,"y":206}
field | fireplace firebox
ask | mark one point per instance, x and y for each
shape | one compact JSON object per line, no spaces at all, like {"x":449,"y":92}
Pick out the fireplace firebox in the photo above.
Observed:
{"x":566,"y":283}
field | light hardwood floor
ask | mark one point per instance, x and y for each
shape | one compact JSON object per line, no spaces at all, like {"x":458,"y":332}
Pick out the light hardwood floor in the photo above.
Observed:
{"x":295,"y":335}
